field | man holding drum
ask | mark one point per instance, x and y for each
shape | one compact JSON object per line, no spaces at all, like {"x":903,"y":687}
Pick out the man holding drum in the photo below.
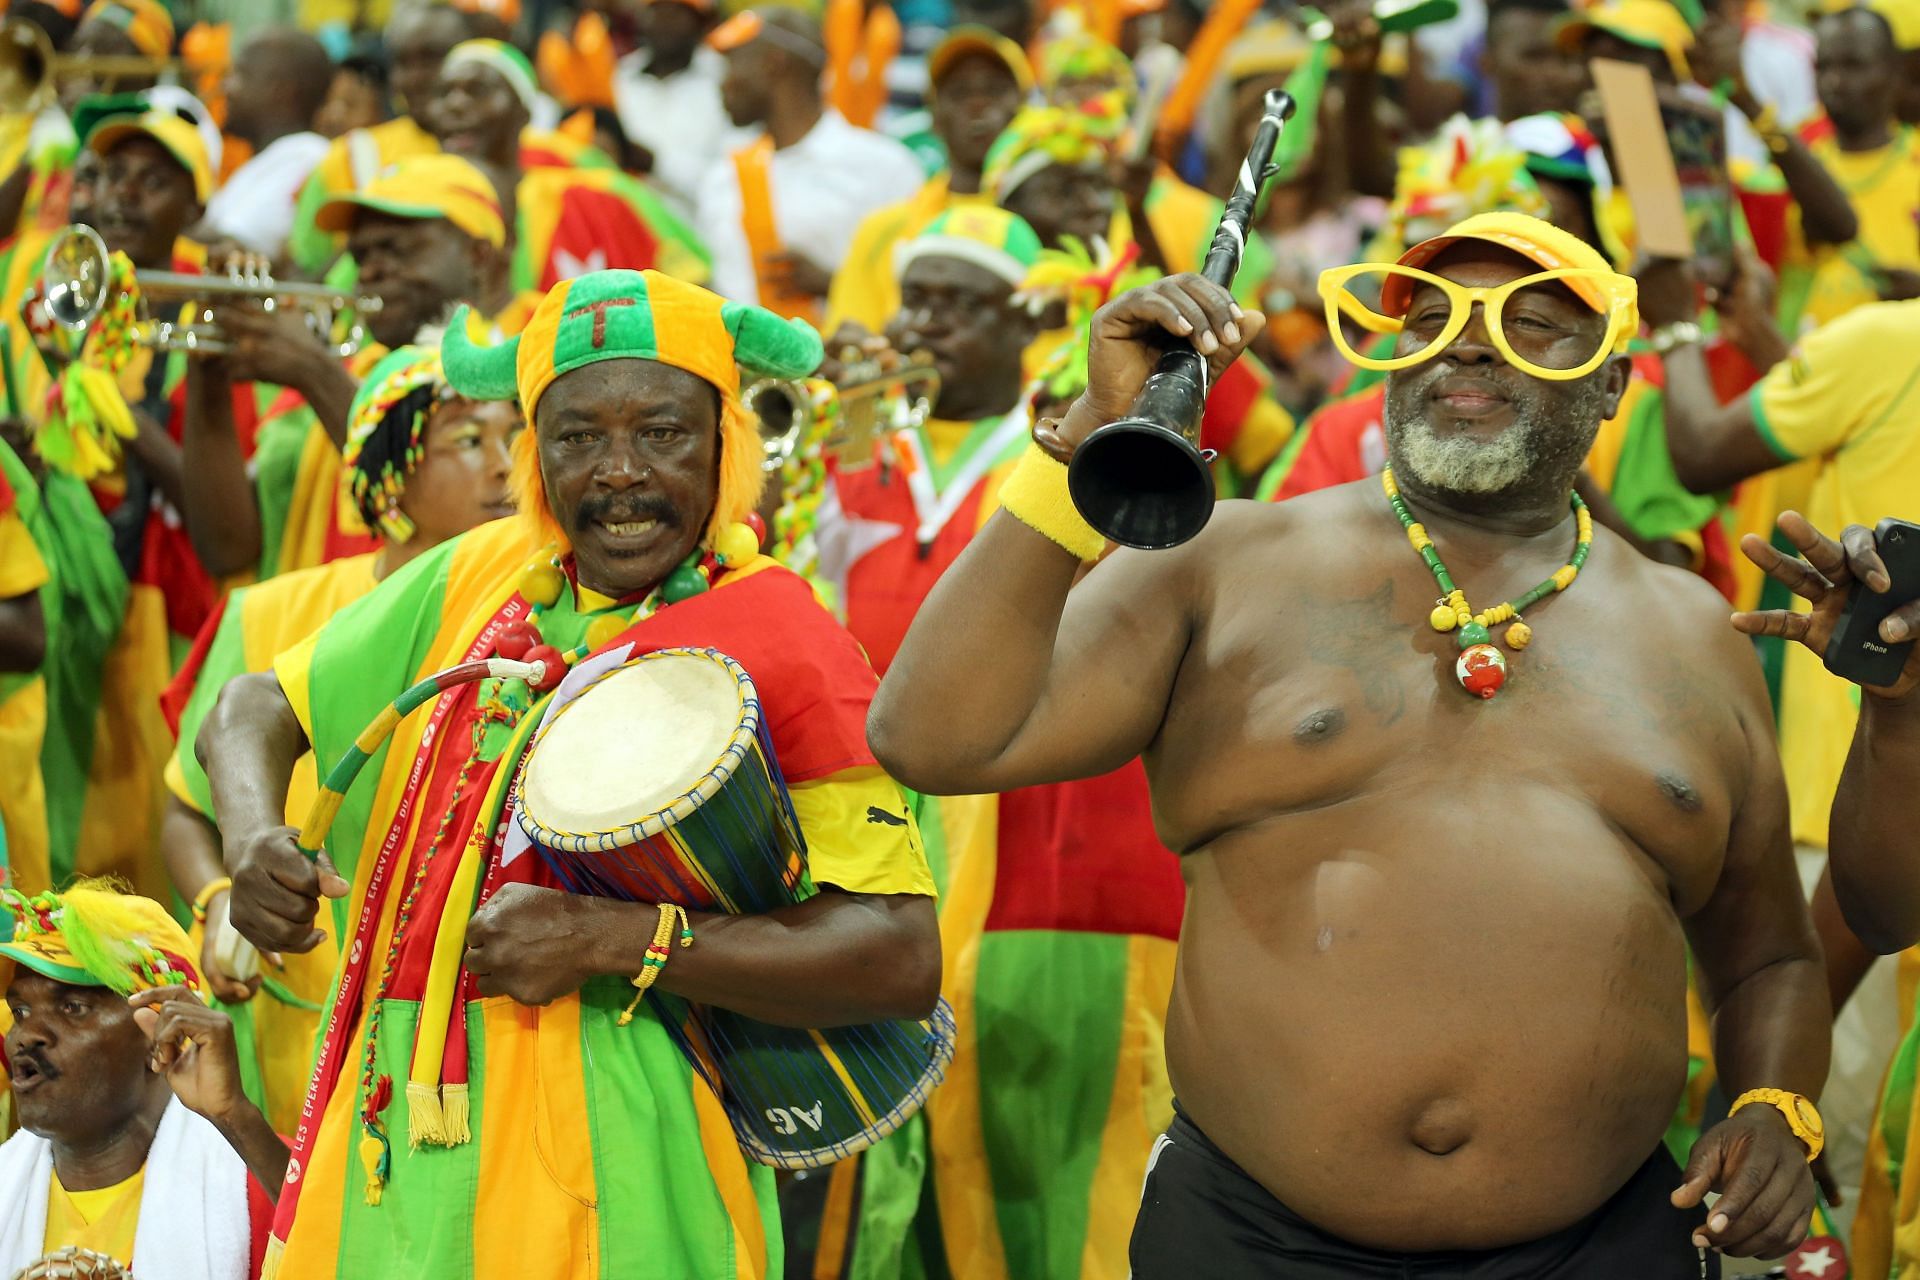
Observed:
{"x":1429,"y":1017}
{"x":541,"y":1134}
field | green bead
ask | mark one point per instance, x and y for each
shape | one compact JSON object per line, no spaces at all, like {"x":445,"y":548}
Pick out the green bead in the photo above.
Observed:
{"x":1472,"y":634}
{"x":683,"y":583}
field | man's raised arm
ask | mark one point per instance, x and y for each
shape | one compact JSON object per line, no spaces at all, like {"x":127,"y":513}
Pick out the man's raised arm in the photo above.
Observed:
{"x":1004,"y":679}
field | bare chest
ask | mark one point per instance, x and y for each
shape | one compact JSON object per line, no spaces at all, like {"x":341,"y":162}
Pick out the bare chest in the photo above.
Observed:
{"x":1293,"y":703}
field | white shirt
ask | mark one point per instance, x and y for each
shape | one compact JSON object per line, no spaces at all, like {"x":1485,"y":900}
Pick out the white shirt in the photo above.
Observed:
{"x":256,"y":206}
{"x":823,"y":185}
{"x":1777,"y":62}
{"x":678,"y":117}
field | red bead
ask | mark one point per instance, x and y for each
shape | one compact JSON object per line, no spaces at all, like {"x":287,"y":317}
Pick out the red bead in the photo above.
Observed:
{"x":514,"y":640}
{"x":556,"y":666}
{"x":753,"y":521}
{"x":1482,"y":670}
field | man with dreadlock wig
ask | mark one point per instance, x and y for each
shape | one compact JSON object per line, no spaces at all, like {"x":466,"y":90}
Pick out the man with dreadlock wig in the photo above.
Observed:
{"x":136,"y":1140}
{"x":423,"y":464}
{"x":479,"y":1106}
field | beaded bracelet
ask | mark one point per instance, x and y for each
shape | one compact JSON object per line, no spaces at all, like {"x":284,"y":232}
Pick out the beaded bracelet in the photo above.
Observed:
{"x":658,"y":953}
{"x":1036,"y":495}
{"x":208,"y":892}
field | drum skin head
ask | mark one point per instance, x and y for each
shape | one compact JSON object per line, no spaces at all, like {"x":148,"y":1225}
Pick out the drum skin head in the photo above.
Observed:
{"x":642,"y":737}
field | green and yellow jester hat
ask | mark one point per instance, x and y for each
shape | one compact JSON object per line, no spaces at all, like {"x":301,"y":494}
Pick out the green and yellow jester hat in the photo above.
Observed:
{"x":95,"y":935}
{"x":635,"y":315}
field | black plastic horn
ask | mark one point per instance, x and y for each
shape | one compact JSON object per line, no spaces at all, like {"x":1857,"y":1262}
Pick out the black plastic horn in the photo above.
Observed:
{"x":1142,"y":481}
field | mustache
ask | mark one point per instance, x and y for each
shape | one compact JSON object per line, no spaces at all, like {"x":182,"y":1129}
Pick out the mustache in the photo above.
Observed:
{"x":1511,"y":385}
{"x":615,"y":509}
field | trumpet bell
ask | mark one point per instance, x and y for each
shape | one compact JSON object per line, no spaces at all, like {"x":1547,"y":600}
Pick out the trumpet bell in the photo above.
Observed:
{"x":26,"y":65}
{"x":1141,"y":484}
{"x":77,"y":275}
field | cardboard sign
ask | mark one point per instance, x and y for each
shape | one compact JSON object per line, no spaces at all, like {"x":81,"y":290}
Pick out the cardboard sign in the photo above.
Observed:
{"x":1642,"y":160}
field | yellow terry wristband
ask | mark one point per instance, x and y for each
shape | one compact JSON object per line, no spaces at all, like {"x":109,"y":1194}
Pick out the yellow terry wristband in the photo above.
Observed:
{"x":1036,"y":495}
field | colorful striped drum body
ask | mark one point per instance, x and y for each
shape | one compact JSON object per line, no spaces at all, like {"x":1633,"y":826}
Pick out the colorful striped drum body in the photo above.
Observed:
{"x":676,"y":737}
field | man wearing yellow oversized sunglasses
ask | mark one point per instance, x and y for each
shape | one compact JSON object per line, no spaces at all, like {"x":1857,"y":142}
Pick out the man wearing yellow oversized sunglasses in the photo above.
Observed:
{"x":1429,"y":1011}
{"x":1509,"y":334}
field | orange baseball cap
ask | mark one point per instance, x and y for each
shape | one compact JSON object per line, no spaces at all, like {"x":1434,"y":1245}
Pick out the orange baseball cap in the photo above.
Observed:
{"x":1533,"y":239}
{"x":432,"y":186}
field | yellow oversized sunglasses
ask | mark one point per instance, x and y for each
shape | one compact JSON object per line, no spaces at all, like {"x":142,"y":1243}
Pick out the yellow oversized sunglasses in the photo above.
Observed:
{"x":1525,"y":337}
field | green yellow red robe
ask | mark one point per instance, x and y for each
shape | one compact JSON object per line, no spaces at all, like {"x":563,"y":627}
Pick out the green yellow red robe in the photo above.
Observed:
{"x":596,"y":1151}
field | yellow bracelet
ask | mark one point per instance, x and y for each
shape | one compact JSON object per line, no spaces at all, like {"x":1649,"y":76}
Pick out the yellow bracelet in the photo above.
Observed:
{"x":208,"y":891}
{"x":1036,"y":495}
{"x":659,"y":951}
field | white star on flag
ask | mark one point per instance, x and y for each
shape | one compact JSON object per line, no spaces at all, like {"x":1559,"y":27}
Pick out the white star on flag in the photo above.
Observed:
{"x":840,"y":539}
{"x":568,"y":267}
{"x":1815,"y":1263}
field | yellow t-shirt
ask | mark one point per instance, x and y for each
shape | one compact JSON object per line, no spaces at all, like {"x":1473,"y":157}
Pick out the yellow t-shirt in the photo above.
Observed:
{"x":866,"y":289}
{"x":102,"y":1220}
{"x":1883,"y":186}
{"x":1850,"y":398}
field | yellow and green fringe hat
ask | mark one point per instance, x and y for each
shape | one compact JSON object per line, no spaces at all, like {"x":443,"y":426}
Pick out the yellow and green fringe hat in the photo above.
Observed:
{"x":635,"y":315}
{"x":1080,"y":58}
{"x":386,"y":434}
{"x":96,"y":935}
{"x":1071,"y":275}
{"x":1042,"y":137}
{"x":1470,"y":167}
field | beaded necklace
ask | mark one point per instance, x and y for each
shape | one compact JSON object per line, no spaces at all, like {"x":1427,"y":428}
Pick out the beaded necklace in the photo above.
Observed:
{"x":1481,"y":668}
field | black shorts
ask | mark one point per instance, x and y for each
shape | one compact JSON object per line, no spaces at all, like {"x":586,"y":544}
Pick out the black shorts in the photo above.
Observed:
{"x":1203,"y":1218}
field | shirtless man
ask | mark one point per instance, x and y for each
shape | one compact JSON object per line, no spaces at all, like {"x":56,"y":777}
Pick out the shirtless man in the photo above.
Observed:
{"x":1432,"y":980}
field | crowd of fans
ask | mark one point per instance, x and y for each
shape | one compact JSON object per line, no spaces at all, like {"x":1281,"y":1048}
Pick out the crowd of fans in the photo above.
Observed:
{"x":960,"y":182}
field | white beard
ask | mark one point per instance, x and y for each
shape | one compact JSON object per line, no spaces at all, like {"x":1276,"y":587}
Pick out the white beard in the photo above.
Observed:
{"x":1455,"y":462}
{"x":1458,"y":463}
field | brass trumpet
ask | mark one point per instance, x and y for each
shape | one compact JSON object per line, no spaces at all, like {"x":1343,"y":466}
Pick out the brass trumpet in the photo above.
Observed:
{"x":30,"y":70}
{"x":847,"y":415}
{"x":77,"y":279}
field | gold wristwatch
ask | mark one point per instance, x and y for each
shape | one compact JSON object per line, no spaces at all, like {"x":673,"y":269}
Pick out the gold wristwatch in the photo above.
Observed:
{"x":1801,"y":1115}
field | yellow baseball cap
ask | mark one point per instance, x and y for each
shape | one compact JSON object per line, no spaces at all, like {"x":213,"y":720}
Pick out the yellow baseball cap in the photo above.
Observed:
{"x":179,"y":136}
{"x":432,"y":186}
{"x":1533,"y":239}
{"x":1651,"y":24}
{"x":971,"y":39}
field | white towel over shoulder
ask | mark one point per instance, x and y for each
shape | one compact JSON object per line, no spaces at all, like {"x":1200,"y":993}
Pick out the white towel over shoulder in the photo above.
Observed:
{"x":193,"y":1211}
